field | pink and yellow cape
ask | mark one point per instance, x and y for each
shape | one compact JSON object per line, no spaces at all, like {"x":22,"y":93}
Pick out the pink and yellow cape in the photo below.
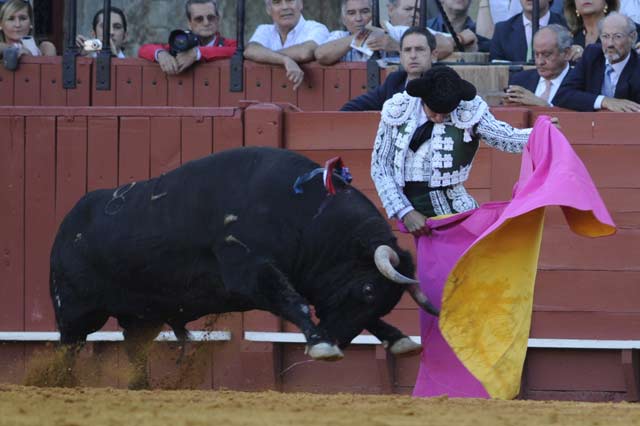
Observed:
{"x":480,"y":268}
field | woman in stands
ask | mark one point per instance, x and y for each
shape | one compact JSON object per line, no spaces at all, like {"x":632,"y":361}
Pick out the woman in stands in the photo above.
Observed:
{"x":16,"y":27}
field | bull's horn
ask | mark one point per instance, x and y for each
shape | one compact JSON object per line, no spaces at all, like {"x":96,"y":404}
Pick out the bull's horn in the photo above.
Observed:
{"x":385,"y":258}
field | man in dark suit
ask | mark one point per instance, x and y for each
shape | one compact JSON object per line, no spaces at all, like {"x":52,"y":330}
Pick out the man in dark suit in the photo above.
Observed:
{"x":552,"y":50}
{"x":512,"y":38}
{"x":417,"y":47}
{"x":608,"y":75}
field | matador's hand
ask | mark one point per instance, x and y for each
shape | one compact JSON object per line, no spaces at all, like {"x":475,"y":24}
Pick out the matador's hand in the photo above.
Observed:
{"x":416,"y":223}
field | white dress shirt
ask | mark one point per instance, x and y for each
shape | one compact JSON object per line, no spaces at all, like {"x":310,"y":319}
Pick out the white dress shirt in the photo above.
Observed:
{"x":615,"y":76}
{"x":555,"y":85}
{"x":501,"y":10}
{"x":631,"y":8}
{"x":352,"y":55}
{"x":528,"y":29}
{"x":268,"y":36}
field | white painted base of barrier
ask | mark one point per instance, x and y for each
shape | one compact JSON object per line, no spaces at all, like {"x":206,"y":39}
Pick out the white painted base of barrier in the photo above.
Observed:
{"x":364,"y":339}
{"x":110,"y":336}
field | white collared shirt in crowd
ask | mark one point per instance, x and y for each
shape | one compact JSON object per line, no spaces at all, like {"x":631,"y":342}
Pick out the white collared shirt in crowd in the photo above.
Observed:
{"x":528,"y":30}
{"x":631,"y":8}
{"x":352,"y":55}
{"x":615,"y":76}
{"x":555,"y":85}
{"x":267,"y":35}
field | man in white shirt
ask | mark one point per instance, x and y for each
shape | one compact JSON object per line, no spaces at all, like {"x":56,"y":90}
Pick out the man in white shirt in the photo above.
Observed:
{"x":290,"y":40}
{"x":552,"y":51}
{"x":356,"y":14}
{"x":401,"y":18}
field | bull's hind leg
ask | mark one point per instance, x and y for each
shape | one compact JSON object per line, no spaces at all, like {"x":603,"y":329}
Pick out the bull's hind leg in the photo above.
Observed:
{"x":261,"y":283}
{"x":393,"y":339}
{"x":138,"y":338}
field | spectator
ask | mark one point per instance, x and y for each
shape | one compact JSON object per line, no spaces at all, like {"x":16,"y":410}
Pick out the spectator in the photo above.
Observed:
{"x":458,"y":13}
{"x":356,"y":14}
{"x":401,"y":18}
{"x":551,"y":48}
{"x":203,"y":18}
{"x":583,"y":17}
{"x":512,"y":38}
{"x":16,"y":25}
{"x":494,"y":11}
{"x":290,"y":40}
{"x":118,"y":35}
{"x":417,"y":50}
{"x":608,"y":75}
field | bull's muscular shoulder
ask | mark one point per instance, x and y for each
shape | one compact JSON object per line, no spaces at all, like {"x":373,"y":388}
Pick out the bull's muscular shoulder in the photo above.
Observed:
{"x":399,"y":108}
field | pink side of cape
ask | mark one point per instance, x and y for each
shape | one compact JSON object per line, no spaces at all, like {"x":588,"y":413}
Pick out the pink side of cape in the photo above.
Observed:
{"x":551,"y":174}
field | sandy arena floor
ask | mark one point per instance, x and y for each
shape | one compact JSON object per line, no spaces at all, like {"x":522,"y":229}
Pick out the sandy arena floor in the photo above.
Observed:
{"x":96,"y":407}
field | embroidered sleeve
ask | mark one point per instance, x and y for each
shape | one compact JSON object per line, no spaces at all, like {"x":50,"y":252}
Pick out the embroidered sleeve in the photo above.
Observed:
{"x":382,"y":170}
{"x":501,"y":135}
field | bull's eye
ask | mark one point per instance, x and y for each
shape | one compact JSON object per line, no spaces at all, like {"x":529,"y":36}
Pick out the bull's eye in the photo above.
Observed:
{"x":368,"y":292}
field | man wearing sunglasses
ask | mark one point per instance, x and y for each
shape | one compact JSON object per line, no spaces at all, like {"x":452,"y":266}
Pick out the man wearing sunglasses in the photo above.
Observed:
{"x":204,"y":19}
{"x":289,"y":41}
{"x":608,"y":74}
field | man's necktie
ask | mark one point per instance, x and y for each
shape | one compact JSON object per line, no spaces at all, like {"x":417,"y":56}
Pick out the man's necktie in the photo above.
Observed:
{"x":608,"y":89}
{"x":547,"y":90}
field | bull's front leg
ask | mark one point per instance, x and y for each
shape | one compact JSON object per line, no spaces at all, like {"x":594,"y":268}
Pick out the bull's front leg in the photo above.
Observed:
{"x":393,"y":339}
{"x":264,"y":286}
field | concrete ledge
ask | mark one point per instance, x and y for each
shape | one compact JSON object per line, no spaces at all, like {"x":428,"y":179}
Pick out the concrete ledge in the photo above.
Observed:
{"x":110,"y":336}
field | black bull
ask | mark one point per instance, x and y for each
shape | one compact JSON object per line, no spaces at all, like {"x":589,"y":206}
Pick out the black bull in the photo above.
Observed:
{"x":227,"y":233}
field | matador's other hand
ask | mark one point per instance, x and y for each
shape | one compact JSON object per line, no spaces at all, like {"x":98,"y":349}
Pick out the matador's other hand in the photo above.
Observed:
{"x":416,"y":223}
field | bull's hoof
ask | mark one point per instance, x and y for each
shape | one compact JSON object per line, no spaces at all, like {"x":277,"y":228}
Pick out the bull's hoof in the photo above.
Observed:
{"x":324,"y":352}
{"x":405,"y":347}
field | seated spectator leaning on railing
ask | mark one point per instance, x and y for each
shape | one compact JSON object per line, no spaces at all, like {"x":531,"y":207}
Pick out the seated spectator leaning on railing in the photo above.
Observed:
{"x":118,"y":35}
{"x":512,"y":38}
{"x":289,"y":41}
{"x":203,"y":18}
{"x":608,"y":75}
{"x":356,"y":14}
{"x":403,"y":14}
{"x":417,"y":51}
{"x":16,"y":24}
{"x":458,"y":13}
{"x":552,"y":50}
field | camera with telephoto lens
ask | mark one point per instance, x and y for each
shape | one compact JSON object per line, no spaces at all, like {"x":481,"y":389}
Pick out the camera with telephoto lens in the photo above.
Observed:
{"x":181,"y":41}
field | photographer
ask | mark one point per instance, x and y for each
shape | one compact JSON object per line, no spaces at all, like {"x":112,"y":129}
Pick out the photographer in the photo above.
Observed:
{"x":118,"y":34}
{"x":203,"y":17}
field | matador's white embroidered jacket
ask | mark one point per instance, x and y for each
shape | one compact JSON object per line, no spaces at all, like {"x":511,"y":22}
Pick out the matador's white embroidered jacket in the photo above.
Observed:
{"x":438,"y":162}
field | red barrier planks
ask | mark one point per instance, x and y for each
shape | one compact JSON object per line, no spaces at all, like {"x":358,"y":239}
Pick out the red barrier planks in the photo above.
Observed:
{"x":154,"y":86}
{"x":197,"y":138}
{"x":165,"y":148}
{"x":336,"y":88}
{"x":330,"y":130}
{"x":600,"y":161}
{"x":27,"y":85}
{"x":282,"y":88}
{"x":227,"y":97}
{"x":81,"y":95}
{"x":228,"y":132}
{"x":6,"y":86}
{"x":258,"y":82}
{"x":104,"y":97}
{"x":181,"y":88}
{"x":102,"y":154}
{"x":129,"y":85}
{"x":71,"y":163}
{"x":358,"y":83}
{"x":206,"y":86}
{"x":263,"y":125}
{"x":310,"y":91}
{"x":40,"y":224}
{"x":12,"y":262}
{"x":134,"y":149}
{"x":52,"y":93}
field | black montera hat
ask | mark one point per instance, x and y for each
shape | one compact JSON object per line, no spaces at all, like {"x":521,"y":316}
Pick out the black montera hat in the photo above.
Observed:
{"x":441,"y":89}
